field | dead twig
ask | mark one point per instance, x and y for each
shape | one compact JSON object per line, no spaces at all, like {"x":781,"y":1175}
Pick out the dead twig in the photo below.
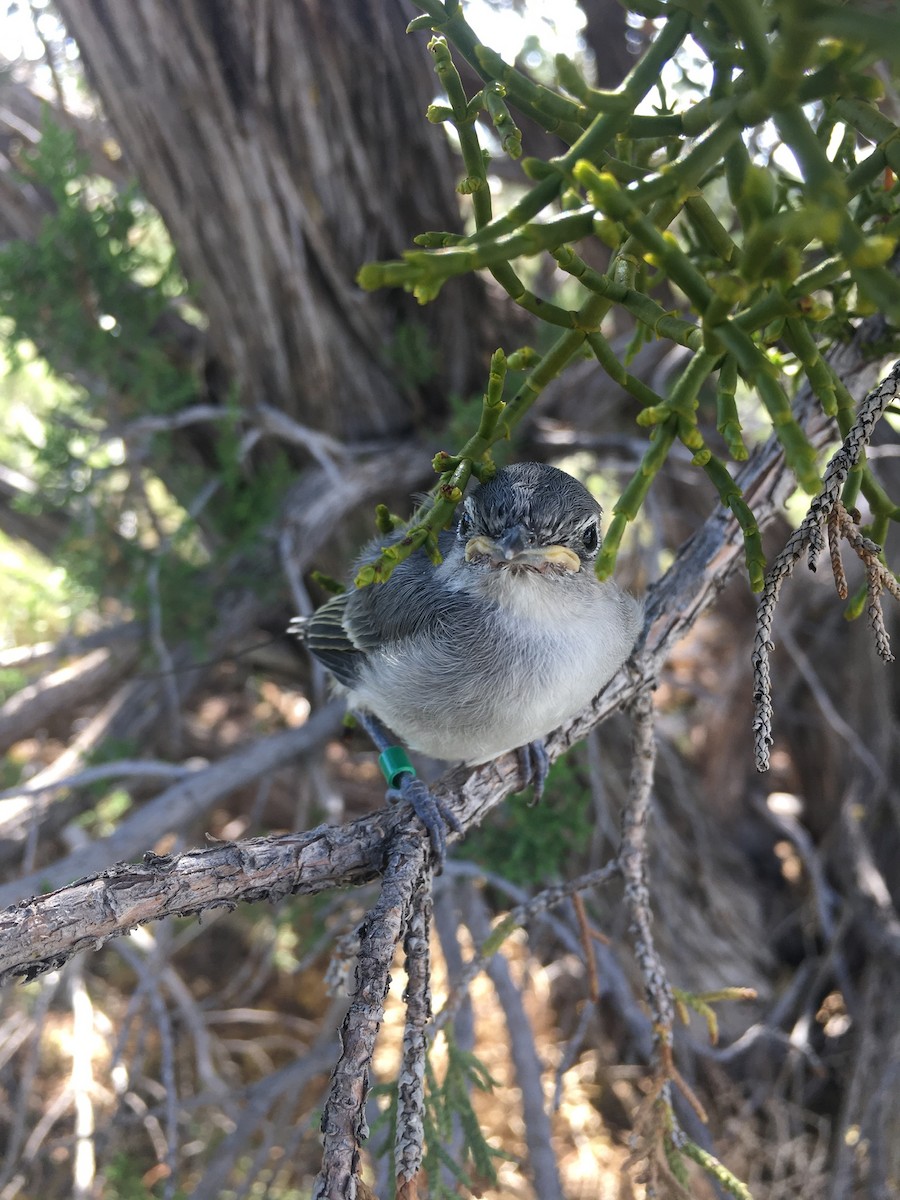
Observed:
{"x":823,"y":512}
{"x":344,"y":1126}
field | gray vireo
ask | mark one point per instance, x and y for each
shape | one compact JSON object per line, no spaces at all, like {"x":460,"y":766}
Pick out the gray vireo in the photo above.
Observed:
{"x":509,"y":637}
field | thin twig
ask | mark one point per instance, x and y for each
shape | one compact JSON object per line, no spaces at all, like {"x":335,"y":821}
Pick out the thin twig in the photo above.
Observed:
{"x":410,"y":1137}
{"x":344,"y":1126}
{"x":809,"y":534}
{"x":518,"y":916}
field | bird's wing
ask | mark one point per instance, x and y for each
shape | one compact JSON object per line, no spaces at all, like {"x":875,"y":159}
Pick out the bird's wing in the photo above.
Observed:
{"x":361,"y":621}
{"x":415,"y":602}
{"x":326,"y":637}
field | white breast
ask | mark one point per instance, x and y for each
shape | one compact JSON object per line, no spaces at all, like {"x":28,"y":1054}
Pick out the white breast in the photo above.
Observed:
{"x":474,"y":693}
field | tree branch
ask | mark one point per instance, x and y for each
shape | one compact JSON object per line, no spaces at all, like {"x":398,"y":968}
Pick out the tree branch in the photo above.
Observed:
{"x":40,"y":933}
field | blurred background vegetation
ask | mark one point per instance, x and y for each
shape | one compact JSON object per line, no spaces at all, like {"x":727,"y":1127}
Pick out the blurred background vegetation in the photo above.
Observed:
{"x":200,"y":407}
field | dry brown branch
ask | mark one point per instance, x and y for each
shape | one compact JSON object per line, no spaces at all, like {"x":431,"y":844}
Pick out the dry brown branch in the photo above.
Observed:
{"x":809,"y":537}
{"x":176,"y":808}
{"x":834,"y":549}
{"x":410,"y":1136}
{"x":23,"y":816}
{"x":525,"y":911}
{"x":344,"y":1125}
{"x":64,"y":689}
{"x":42,"y":653}
{"x":260,"y":1098}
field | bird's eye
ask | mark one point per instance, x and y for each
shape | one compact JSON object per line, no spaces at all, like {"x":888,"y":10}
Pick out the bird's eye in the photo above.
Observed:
{"x":590,"y":537}
{"x":464,"y":528}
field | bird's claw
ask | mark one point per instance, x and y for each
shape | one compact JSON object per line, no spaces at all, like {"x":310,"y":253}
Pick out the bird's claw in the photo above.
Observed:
{"x":431,"y":811}
{"x":534,"y":763}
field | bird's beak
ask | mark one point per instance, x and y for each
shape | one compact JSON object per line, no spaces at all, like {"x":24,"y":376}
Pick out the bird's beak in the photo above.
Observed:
{"x":514,"y":549}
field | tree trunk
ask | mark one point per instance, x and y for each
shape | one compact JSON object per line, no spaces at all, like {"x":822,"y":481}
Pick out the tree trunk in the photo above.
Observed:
{"x":284,"y":145}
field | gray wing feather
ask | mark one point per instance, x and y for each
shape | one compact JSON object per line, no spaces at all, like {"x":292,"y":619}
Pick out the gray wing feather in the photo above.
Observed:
{"x":326,"y":637}
{"x":413,"y":603}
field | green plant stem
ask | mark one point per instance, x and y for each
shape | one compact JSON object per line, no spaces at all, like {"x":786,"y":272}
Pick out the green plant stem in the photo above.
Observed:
{"x":476,"y":175}
{"x":629,"y":503}
{"x":645,"y":310}
{"x":593,"y":143}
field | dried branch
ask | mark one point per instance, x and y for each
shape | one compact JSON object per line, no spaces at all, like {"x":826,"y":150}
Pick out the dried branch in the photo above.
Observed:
{"x":176,"y":808}
{"x":809,"y":536}
{"x":259,"y":1099}
{"x":410,"y":1137}
{"x":343,"y":1119}
{"x":25,"y":657}
{"x":632,"y":859}
{"x":32,"y":706}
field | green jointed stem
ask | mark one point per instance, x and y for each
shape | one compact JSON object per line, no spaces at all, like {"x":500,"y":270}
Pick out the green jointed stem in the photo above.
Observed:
{"x":463,"y":117}
{"x":825,"y":183}
{"x":793,"y":52}
{"x":728,"y":422}
{"x":730,"y":495}
{"x":682,"y":400}
{"x":875,"y":126}
{"x":552,"y":111}
{"x":745,"y":18}
{"x":710,"y":228}
{"x":611,"y":199}
{"x":509,"y":133}
{"x":594,"y":143}
{"x":645,"y":310}
{"x":563,"y":350}
{"x":606,"y":357}
{"x":821,"y":378}
{"x":629,"y":503}
{"x":423,"y":272}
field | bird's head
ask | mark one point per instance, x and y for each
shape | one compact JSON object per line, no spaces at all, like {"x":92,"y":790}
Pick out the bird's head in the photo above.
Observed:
{"x":530,"y":518}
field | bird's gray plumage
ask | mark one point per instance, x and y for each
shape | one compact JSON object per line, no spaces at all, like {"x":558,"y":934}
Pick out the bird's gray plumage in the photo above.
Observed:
{"x":508,"y":637}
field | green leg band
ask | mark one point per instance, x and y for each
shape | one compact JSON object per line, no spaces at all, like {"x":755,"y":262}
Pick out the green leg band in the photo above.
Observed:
{"x":394,"y":763}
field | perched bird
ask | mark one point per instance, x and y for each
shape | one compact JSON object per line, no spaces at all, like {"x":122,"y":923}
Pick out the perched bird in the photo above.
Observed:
{"x":489,"y":651}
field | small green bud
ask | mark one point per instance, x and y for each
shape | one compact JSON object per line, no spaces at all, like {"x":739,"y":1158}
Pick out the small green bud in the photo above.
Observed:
{"x":384,"y":521}
{"x":369,"y":276}
{"x":758,"y":190}
{"x":874,"y":252}
{"x":327,"y":583}
{"x":522,"y":359}
{"x":729,"y":288}
{"x":484,"y":471}
{"x":608,"y":232}
{"x":365,"y":576}
{"x":470,"y":184}
{"x":443,"y":461}
{"x":537,"y":169}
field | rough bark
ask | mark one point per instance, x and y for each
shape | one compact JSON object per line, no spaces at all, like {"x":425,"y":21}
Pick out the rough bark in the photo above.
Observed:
{"x":284,"y":145}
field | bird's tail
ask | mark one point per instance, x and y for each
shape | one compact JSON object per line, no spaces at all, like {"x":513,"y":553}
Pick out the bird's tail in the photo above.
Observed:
{"x":297,"y":626}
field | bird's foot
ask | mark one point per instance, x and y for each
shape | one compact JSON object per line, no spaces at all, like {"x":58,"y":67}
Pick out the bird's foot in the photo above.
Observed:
{"x":534,"y":763}
{"x":431,"y":811}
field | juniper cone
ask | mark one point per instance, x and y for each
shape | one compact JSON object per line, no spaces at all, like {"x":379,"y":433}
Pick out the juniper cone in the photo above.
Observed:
{"x":509,"y":637}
